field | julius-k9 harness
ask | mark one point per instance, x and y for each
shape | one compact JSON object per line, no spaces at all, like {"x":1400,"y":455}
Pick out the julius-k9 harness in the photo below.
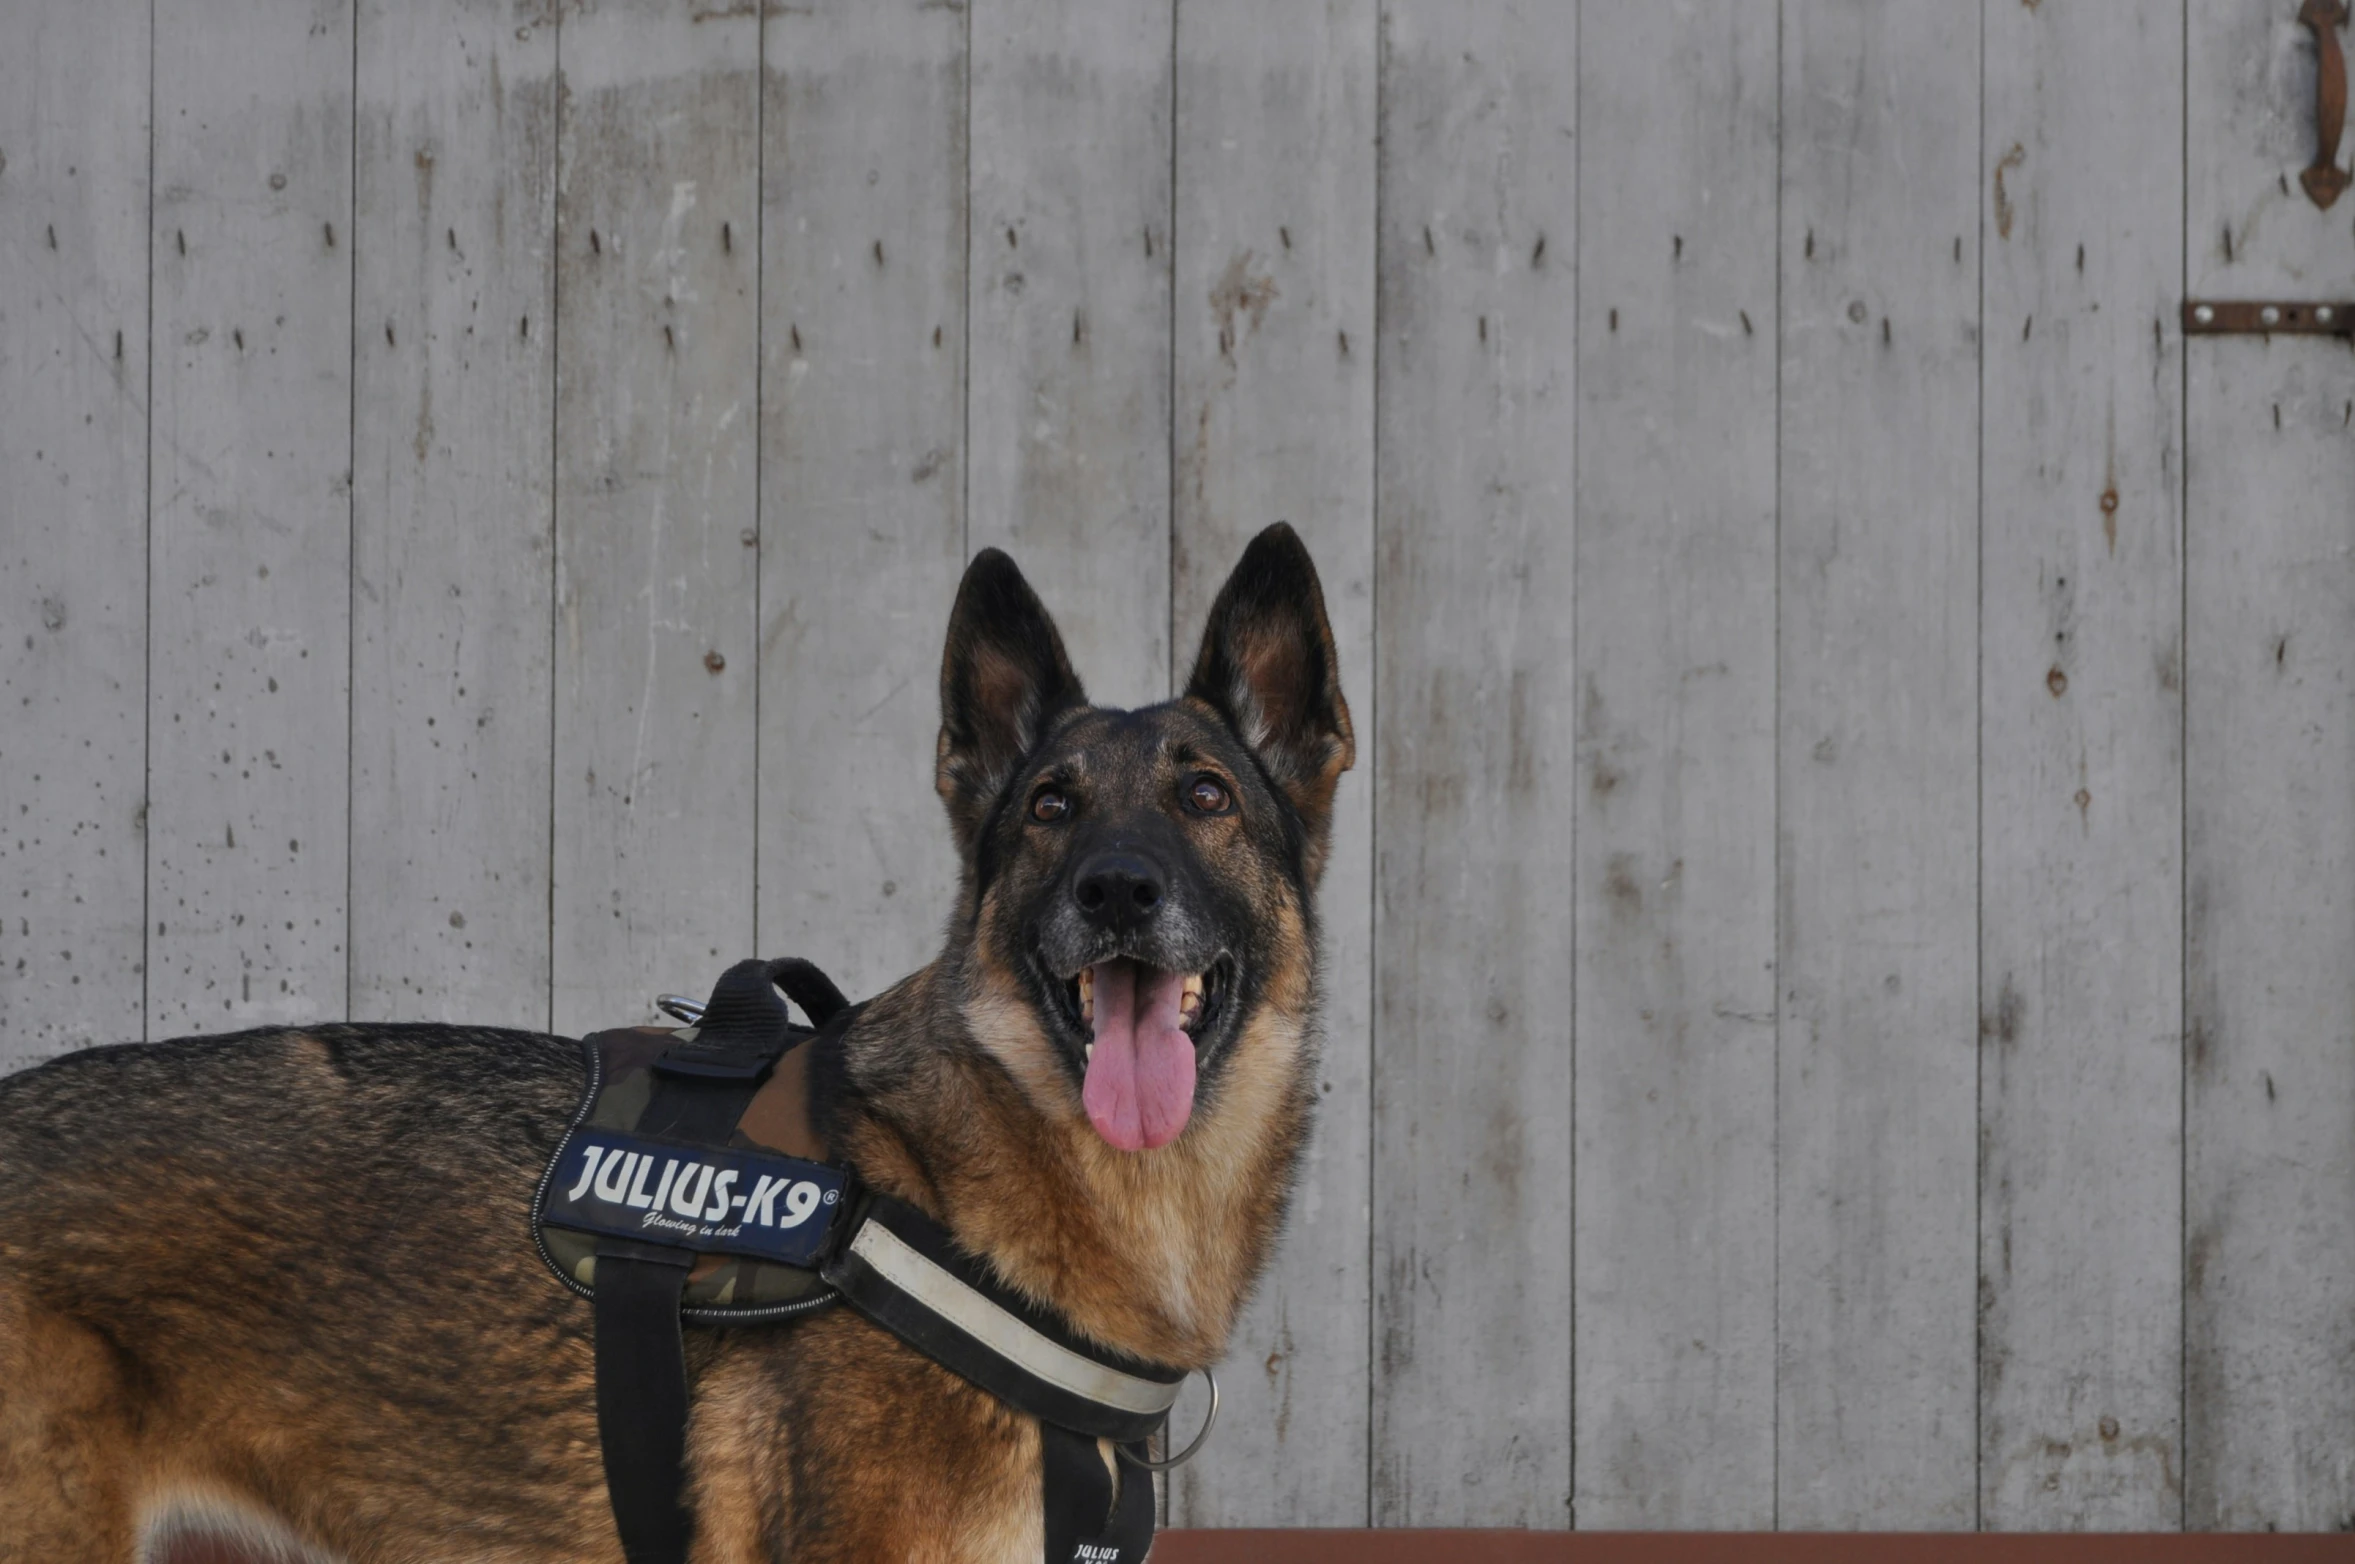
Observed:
{"x":691,"y":1186}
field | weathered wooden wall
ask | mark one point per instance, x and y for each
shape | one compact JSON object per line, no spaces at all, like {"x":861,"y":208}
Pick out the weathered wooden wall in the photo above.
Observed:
{"x":1841,"y":946}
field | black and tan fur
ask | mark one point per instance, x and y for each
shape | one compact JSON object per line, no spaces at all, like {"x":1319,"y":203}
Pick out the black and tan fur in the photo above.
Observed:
{"x":279,"y":1284}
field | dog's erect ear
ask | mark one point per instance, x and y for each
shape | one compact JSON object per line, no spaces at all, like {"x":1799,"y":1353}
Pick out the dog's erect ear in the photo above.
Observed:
{"x":1267,"y":665}
{"x":1003,"y":676}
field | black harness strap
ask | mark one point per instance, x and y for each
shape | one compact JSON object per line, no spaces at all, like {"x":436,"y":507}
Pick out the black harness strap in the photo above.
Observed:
{"x":902,"y":1270}
{"x":703,"y":1083}
{"x":642,"y":1397}
{"x":1086,"y":1524}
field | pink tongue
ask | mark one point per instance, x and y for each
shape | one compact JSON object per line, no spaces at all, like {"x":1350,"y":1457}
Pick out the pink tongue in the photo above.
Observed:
{"x":1140,"y":1084}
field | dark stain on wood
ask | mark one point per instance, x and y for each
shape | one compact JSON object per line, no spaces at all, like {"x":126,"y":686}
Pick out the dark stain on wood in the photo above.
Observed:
{"x":2003,"y":1024}
{"x":1619,"y":884}
{"x":2003,"y":205}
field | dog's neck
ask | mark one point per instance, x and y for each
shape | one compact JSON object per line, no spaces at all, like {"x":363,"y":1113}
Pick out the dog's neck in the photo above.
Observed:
{"x":1152,"y":1252}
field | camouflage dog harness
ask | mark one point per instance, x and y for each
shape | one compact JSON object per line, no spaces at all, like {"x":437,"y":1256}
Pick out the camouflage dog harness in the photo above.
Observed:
{"x":693,"y":1185}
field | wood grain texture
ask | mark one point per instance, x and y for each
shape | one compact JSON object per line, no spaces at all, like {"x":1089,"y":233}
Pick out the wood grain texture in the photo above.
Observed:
{"x":1472,"y":761}
{"x":1674,"y":804}
{"x":1275,"y":417}
{"x":452,"y":511}
{"x":2081,"y":743}
{"x":862,"y":248}
{"x":1877,"y":690}
{"x":250,"y":467}
{"x":656,"y":445}
{"x":2269,"y":834}
{"x":2270,"y":842}
{"x":73,"y":526}
{"x":1069,"y":366}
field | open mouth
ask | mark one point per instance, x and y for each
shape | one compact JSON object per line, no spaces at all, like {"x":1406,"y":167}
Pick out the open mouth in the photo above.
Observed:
{"x":1141,"y":1025}
{"x":1199,"y":995}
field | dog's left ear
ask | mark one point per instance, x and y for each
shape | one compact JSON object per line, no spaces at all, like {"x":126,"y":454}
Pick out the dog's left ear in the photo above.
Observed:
{"x":1268,"y":666}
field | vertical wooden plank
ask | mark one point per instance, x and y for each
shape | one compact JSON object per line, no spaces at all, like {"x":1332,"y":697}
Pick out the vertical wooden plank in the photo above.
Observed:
{"x":1069,"y":362}
{"x":1675,"y":803}
{"x":250,"y":453}
{"x":656,"y":429}
{"x":452,"y":515}
{"x":1877,"y":771}
{"x":1472,"y":693}
{"x":73,"y":526}
{"x":2081,"y":771}
{"x":862,"y":476}
{"x":2269,"y":837}
{"x":1275,"y":421}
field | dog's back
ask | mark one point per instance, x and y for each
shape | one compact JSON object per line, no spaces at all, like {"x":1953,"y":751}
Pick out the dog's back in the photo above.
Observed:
{"x":197,"y":1236}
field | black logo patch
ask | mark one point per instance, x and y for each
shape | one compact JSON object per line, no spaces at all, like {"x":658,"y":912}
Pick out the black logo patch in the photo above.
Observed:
{"x":711,"y":1199}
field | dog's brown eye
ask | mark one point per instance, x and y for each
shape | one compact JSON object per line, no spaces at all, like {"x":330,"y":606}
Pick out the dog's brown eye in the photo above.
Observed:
{"x":1049,"y":805}
{"x":1210,"y":796}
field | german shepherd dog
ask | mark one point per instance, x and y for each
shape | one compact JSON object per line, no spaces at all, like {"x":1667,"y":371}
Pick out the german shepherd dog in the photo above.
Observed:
{"x":273,"y":1295}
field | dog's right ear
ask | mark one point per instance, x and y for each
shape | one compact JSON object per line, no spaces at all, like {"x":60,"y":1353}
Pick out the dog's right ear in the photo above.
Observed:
{"x":1003,"y":677}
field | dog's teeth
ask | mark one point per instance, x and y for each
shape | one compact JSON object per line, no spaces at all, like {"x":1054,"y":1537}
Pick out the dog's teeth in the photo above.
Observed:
{"x":1091,"y":1056}
{"x":1190,"y":998}
{"x":1087,"y":995}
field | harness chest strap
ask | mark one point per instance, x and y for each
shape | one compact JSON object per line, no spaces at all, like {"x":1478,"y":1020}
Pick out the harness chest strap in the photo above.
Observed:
{"x":902,"y":1270}
{"x":888,"y":1260}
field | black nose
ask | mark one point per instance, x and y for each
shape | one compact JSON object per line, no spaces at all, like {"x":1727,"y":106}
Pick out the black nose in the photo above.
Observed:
{"x":1118,"y":890}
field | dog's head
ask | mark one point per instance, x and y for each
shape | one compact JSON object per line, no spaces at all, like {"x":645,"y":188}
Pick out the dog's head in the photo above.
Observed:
{"x":1138,"y":883}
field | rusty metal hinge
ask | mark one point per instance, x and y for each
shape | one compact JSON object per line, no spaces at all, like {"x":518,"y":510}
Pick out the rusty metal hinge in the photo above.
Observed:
{"x":2324,"y":179}
{"x":2258,"y":317}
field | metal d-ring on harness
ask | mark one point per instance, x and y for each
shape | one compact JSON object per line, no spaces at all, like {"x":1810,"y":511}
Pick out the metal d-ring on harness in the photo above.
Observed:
{"x":1201,"y":1438}
{"x":887,"y":1260}
{"x":679,"y":1008}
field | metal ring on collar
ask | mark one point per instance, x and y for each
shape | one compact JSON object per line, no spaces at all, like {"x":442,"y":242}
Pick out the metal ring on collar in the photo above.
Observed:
{"x":1190,"y":1451}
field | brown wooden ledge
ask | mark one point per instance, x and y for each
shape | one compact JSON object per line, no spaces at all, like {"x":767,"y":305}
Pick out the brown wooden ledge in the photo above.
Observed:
{"x":1781,"y":1547}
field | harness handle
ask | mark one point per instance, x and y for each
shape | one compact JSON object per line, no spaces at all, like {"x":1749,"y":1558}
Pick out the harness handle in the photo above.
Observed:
{"x":801,"y":980}
{"x":809,"y":988}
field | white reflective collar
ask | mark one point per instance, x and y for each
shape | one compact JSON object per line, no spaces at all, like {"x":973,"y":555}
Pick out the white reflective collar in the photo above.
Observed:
{"x":1002,"y":1332}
